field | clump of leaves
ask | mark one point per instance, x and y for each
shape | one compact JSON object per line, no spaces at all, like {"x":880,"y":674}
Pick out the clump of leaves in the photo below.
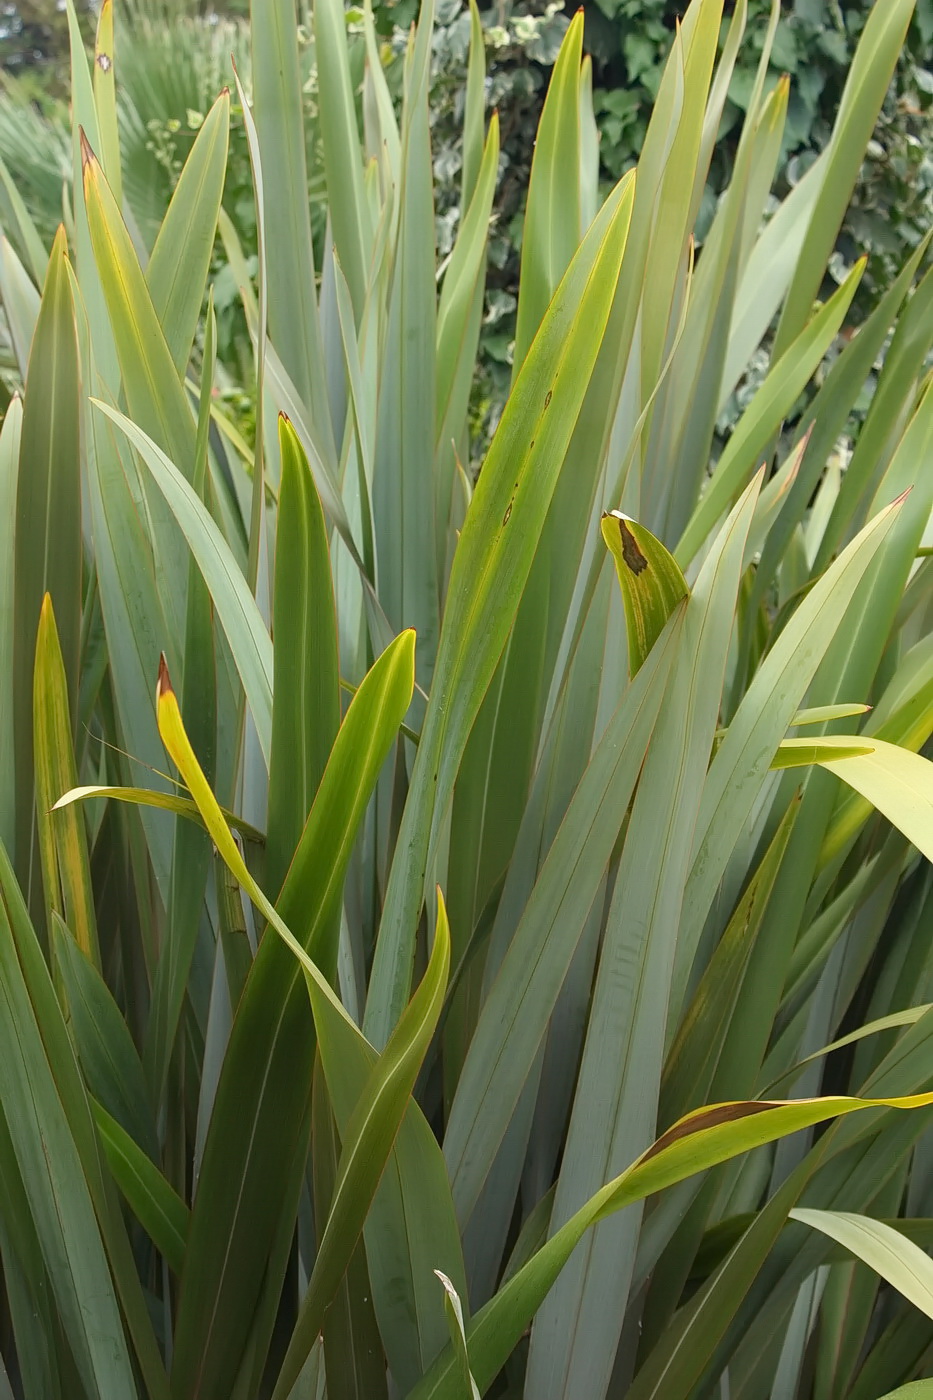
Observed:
{"x":436,"y":916}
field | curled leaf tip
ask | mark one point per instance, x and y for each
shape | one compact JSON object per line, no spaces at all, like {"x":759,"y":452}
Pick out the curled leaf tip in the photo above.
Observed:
{"x":164,"y":686}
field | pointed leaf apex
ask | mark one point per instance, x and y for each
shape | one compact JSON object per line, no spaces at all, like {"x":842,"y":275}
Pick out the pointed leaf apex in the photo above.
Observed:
{"x":164,"y":686}
{"x":87,"y":154}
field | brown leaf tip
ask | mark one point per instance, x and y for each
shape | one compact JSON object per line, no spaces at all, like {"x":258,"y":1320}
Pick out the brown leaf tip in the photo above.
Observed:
{"x":164,"y":686}
{"x":87,"y":154}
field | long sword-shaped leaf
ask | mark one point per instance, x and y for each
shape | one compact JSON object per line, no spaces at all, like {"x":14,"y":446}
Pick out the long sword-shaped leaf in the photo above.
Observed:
{"x":490,"y":569}
{"x":31,"y":244}
{"x":899,"y":783}
{"x":59,"y":1199}
{"x":155,"y":394}
{"x":343,"y":156}
{"x":163,"y":802}
{"x":48,"y":522}
{"x":353,"y":1352}
{"x":615,"y":1105}
{"x":762,"y":418}
{"x":767,"y":710}
{"x":306,"y":711}
{"x":20,"y":303}
{"x":73,"y":1098}
{"x":701,"y":1140}
{"x":551,"y":230}
{"x":403,"y":486}
{"x":516,"y":1012}
{"x":294,"y":319}
{"x":182,"y":251}
{"x":236,"y":607}
{"x":158,"y":1208}
{"x":864,"y":93}
{"x":105,"y":99}
{"x":884,"y":1249}
{"x":103,"y":1044}
{"x":247,"y":1182}
{"x":9,"y":463}
{"x":367,"y":1142}
{"x":62,"y":839}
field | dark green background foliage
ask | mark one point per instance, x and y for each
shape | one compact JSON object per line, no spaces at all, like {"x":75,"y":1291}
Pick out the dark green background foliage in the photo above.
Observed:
{"x":168,"y":67}
{"x":815,"y":40}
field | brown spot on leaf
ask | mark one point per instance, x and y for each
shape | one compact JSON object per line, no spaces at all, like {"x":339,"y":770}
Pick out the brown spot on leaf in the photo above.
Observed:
{"x":508,"y":512}
{"x":708,"y":1118}
{"x":632,"y":555}
{"x":104,"y":62}
{"x":547,"y":398}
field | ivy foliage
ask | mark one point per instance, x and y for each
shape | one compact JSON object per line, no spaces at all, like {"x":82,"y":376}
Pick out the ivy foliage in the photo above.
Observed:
{"x":628,"y":42}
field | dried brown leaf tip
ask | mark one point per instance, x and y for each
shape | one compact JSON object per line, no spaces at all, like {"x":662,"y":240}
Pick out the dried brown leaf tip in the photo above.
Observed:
{"x":87,"y":154}
{"x":164,"y":685}
{"x":710,"y":1117}
{"x":632,"y":555}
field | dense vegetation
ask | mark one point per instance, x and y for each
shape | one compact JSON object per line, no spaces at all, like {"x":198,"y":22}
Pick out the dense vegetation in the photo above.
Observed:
{"x":462,"y":931}
{"x":174,"y":57}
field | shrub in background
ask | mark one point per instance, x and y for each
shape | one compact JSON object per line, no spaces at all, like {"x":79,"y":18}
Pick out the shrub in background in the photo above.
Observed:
{"x":173,"y":52}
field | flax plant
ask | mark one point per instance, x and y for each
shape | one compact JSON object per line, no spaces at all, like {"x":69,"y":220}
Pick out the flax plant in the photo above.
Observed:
{"x":465,"y":934}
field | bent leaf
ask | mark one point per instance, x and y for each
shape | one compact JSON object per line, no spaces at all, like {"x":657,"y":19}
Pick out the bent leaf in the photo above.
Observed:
{"x":892,"y":1255}
{"x":895,"y":780}
{"x":651,"y":580}
{"x":367,"y":1143}
{"x":702,"y":1139}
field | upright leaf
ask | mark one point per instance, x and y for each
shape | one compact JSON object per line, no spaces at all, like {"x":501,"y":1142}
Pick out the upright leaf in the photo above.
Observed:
{"x":10,"y":433}
{"x":62,"y":839}
{"x":48,"y":523}
{"x":182,"y":251}
{"x":490,"y":569}
{"x":306,"y":710}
